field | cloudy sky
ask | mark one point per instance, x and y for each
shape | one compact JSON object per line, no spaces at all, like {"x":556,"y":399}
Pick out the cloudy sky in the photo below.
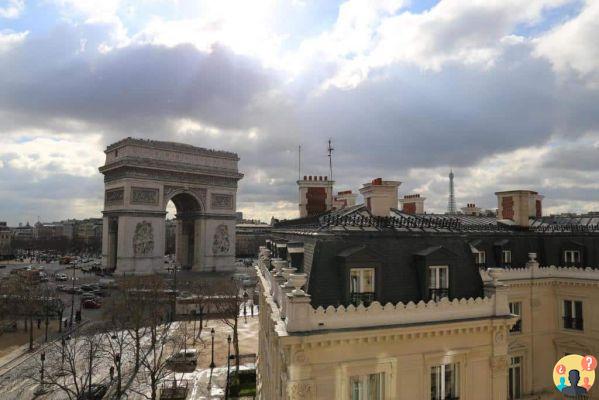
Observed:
{"x":504,"y":92}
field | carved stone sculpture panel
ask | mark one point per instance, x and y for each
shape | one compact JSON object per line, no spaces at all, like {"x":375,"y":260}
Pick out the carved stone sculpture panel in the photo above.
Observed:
{"x":114,"y":197}
{"x":498,"y":363}
{"x":221,"y":243}
{"x":222,"y":201}
{"x":301,"y":390}
{"x":143,"y":239}
{"x":145,"y":196}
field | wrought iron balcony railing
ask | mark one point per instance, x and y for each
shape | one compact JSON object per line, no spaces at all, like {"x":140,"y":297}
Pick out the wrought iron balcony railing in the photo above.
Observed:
{"x":573,"y":323}
{"x":365,"y":298}
{"x":517,"y":327}
{"x":438,"y":294}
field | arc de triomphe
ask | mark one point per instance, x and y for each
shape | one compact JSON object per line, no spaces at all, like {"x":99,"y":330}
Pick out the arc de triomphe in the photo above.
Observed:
{"x":140,"y":177}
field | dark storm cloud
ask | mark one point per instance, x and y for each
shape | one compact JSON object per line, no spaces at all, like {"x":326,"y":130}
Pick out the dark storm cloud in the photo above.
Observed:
{"x":134,"y":89}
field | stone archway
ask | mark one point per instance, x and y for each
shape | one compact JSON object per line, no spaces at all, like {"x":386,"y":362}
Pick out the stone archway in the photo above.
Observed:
{"x":141,"y":177}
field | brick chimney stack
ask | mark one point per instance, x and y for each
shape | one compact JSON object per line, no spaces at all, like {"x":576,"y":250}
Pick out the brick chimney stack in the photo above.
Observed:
{"x":380,"y":196}
{"x":471,"y":209}
{"x":344,"y":199}
{"x":412,"y":204}
{"x":519,"y":206}
{"x":315,"y":195}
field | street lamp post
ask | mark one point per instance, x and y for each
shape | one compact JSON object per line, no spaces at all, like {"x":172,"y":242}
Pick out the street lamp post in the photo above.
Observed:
{"x":245,"y":311}
{"x":72,"y":299}
{"x":117,"y":362}
{"x":63,"y":343}
{"x":228,"y":365}
{"x":43,"y":358}
{"x":212,"y":365}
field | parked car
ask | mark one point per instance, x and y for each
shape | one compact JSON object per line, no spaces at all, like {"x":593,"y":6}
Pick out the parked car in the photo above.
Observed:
{"x":184,"y":360}
{"x":91,"y":304}
{"x":61,"y":277}
{"x":88,"y":296}
{"x":86,"y":288}
{"x":96,"y":392}
{"x":2,"y":266}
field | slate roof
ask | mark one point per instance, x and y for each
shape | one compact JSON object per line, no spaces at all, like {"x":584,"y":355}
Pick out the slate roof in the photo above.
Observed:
{"x":358,"y":218}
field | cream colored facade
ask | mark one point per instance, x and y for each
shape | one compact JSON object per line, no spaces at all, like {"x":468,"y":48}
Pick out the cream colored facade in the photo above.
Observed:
{"x":543,"y":338}
{"x":307,"y":353}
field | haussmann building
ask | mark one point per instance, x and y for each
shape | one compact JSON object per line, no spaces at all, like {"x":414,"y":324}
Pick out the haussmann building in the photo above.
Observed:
{"x":372,"y":302}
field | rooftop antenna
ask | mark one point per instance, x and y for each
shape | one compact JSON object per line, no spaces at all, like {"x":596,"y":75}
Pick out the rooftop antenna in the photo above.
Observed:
{"x":451,"y":207}
{"x":330,"y":150}
{"x":299,"y":162}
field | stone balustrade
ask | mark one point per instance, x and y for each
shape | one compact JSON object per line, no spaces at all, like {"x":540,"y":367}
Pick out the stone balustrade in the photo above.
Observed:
{"x":310,"y":319}
{"x":533,"y":270}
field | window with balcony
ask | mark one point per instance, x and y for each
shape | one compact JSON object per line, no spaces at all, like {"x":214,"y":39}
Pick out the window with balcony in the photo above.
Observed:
{"x":480,"y":258}
{"x":506,"y":258}
{"x":573,"y":315}
{"x":438,"y":282}
{"x":445,"y":382}
{"x":572,"y":258}
{"x":367,"y":387}
{"x":516,"y":309}
{"x":361,"y":286}
{"x":515,"y":378}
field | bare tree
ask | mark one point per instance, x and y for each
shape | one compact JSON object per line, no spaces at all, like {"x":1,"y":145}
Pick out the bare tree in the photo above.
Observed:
{"x":199,"y":295}
{"x":69,"y":366}
{"x":127,"y":310}
{"x":227,"y":302}
{"x":22,"y":300}
{"x":116,"y":348}
{"x":162,"y":342}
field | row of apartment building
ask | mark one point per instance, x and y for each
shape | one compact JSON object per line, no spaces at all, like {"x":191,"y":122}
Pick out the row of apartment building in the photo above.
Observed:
{"x":371,"y":302}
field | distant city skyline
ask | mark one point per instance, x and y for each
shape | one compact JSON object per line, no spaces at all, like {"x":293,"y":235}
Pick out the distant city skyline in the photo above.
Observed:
{"x":495,"y":90}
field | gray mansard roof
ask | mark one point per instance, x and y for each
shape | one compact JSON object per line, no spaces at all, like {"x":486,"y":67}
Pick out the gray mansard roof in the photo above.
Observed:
{"x":402,"y":246}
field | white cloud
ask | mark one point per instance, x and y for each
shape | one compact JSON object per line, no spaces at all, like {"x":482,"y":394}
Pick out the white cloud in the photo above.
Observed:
{"x":245,"y":27}
{"x":468,"y":32}
{"x":574,"y":45}
{"x":12,"y":8}
{"x":10,"y":39}
{"x":45,"y":153}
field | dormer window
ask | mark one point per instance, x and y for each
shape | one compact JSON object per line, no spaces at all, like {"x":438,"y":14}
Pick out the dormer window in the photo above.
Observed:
{"x":438,"y":282}
{"x":572,"y":258}
{"x":480,"y":259}
{"x":361,"y":286}
{"x":506,"y":258}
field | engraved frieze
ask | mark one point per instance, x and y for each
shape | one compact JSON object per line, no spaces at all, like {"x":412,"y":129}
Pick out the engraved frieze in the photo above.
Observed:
{"x":144,"y":196}
{"x":222,"y":201}
{"x":114,"y":197}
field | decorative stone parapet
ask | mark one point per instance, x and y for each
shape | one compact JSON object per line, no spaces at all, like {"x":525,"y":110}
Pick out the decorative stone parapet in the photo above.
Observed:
{"x":287,"y":271}
{"x":533,"y":271}
{"x":302,"y":317}
{"x":279,"y":264}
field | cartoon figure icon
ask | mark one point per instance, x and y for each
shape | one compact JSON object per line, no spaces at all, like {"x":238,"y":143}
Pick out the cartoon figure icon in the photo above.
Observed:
{"x":562,"y":383}
{"x":574,"y":389}
{"x":574,"y":375}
